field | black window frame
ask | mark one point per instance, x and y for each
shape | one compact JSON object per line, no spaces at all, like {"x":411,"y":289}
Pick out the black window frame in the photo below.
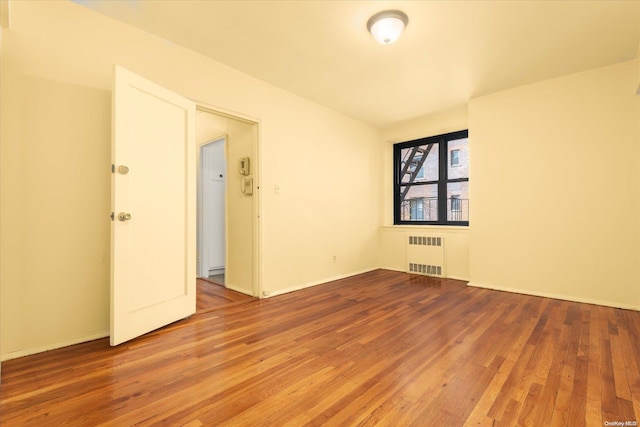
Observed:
{"x":443,"y":173}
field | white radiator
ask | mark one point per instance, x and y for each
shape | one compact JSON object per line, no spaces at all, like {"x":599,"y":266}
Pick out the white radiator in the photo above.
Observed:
{"x":425,"y":255}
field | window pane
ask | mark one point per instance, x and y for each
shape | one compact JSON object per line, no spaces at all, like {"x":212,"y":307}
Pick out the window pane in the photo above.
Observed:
{"x":455,"y":157}
{"x":458,"y":201}
{"x":458,"y":158}
{"x":419,"y":163}
{"x":420,"y":203}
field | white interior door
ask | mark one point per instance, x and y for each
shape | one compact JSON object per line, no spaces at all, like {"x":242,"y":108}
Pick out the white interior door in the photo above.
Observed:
{"x":213,"y":207}
{"x":152,"y":253}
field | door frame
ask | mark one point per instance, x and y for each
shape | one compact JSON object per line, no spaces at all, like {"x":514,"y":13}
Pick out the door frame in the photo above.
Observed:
{"x":256,"y":160}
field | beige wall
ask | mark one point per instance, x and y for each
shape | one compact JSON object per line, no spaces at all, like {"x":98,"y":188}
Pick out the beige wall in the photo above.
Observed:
{"x":638,"y":70}
{"x":555,"y":188}
{"x":241,"y":210}
{"x":55,"y":210}
{"x":393,"y":239}
{"x":56,"y":117}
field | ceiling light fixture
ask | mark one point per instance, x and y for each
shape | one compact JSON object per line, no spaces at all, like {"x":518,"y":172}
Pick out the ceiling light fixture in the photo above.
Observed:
{"x":386,"y":26}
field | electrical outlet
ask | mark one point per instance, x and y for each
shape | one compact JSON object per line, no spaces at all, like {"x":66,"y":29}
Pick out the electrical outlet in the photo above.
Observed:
{"x":334,"y":258}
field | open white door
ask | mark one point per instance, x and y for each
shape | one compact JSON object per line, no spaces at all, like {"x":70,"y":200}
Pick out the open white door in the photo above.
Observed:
{"x":213,"y":194}
{"x":153,"y":201}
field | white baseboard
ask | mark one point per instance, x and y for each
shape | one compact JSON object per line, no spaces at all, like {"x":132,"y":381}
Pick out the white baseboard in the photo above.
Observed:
{"x":267,"y":294}
{"x":555,"y":296}
{"x":216,"y":271}
{"x":34,"y":350}
{"x":393,"y":269}
{"x":463,"y":279}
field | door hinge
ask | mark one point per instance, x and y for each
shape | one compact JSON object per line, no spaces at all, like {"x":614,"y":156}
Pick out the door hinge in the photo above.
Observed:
{"x":113,"y":216}
{"x":113,"y":168}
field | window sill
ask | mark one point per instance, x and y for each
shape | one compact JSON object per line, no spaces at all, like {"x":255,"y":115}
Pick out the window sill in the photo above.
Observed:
{"x":464,"y":229}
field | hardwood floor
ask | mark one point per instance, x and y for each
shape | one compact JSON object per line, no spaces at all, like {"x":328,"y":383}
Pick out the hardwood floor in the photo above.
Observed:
{"x":382,"y":348}
{"x":211,"y":295}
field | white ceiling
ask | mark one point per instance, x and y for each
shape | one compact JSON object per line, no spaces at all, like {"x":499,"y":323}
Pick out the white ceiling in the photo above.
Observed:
{"x":450,"y":52}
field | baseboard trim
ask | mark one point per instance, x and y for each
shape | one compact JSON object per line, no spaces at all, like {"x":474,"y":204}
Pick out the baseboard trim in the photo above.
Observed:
{"x":267,"y":294}
{"x":61,"y":344}
{"x":555,"y":296}
{"x":393,"y":269}
{"x":462,"y":279}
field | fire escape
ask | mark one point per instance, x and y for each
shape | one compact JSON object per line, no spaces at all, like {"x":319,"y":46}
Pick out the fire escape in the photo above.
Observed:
{"x":411,"y":164}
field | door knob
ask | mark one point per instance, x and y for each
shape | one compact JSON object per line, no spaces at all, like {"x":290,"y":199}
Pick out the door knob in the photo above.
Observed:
{"x":123,"y":216}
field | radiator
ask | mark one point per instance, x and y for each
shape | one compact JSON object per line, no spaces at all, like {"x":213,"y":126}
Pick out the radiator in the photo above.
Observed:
{"x":425,"y":255}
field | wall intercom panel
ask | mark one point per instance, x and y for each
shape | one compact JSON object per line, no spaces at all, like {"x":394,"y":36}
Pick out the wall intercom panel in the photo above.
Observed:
{"x":247,"y":186}
{"x":244,"y":166}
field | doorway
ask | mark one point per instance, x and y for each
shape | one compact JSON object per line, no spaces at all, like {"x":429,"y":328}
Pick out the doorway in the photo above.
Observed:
{"x":228,"y":204}
{"x":212,"y":192}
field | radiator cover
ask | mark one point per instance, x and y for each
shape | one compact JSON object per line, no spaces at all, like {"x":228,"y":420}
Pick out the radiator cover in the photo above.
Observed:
{"x":426,"y":256}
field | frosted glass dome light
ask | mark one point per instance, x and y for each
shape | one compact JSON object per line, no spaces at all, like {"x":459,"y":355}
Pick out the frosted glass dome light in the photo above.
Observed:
{"x":386,"y":26}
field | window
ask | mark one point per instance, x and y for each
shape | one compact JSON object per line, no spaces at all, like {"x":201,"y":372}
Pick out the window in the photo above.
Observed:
{"x":455,"y":203}
{"x":417,"y":209}
{"x":456,"y":208}
{"x":455,"y":157}
{"x":412,"y":169}
{"x":431,"y":180}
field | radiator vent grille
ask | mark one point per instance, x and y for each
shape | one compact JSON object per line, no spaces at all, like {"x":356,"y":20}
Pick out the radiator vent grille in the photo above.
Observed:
{"x":425,"y":241}
{"x":433,"y":270}
{"x":425,"y":255}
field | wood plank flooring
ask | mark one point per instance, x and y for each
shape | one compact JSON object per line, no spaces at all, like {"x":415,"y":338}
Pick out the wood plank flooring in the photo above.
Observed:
{"x":383,"y":348}
{"x":211,"y":295}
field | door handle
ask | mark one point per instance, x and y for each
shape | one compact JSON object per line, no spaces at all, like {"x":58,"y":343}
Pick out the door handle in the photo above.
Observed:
{"x":123,"y":216}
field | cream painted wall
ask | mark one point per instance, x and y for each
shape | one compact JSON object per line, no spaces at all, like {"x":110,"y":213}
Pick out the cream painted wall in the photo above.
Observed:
{"x":638,"y":70}
{"x":55,"y":210}
{"x":392,"y":254}
{"x":449,"y":120}
{"x":54,"y":243}
{"x":556,"y":190}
